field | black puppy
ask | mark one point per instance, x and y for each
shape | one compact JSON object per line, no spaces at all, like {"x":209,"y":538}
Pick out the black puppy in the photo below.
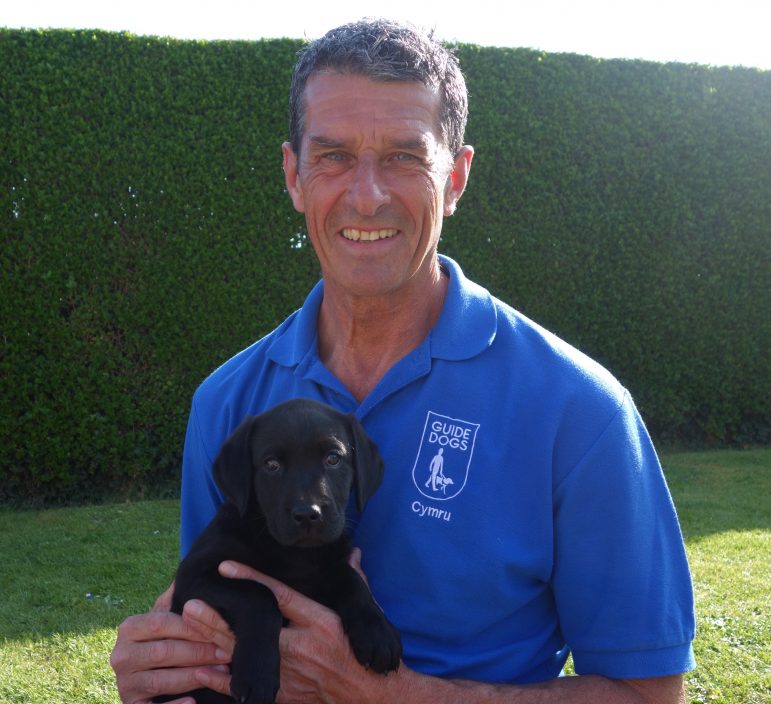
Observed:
{"x":286,"y":475}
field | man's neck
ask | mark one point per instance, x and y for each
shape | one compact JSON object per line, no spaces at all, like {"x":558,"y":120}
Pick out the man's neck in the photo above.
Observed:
{"x":361,"y":339}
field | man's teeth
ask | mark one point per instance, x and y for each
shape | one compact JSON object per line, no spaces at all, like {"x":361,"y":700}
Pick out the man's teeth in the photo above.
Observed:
{"x":368,"y":235}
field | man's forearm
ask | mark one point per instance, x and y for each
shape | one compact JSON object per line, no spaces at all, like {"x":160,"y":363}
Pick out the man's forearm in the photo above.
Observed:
{"x":410,"y":687}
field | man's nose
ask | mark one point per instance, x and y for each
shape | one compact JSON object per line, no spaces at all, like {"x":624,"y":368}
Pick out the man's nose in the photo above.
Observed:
{"x":368,"y":191}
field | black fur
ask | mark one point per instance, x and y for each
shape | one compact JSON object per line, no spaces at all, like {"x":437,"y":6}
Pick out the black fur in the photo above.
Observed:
{"x":286,"y":475}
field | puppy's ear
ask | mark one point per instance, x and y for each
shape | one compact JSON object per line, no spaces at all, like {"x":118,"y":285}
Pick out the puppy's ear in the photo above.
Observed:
{"x":368,"y":464}
{"x":233,"y":469}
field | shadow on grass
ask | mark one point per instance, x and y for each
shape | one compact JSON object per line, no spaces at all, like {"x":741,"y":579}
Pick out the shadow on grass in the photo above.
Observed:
{"x":720,"y":491}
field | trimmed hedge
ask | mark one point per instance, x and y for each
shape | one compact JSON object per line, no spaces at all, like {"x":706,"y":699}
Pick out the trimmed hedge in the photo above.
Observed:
{"x":147,"y":236}
{"x":627,"y":205}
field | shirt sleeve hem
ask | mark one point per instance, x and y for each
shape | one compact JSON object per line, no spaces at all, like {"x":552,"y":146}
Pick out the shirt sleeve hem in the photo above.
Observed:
{"x":661,"y":662}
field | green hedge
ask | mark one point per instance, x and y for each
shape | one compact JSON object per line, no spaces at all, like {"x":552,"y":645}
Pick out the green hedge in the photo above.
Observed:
{"x":627,"y":205}
{"x":147,"y":236}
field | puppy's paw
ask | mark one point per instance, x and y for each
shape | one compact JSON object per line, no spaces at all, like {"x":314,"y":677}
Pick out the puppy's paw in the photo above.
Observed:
{"x":254,"y":689}
{"x":375,"y":642}
{"x":255,"y":673}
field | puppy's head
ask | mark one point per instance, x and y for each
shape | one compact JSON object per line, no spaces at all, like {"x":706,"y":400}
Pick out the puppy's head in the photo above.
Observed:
{"x":296,"y":464}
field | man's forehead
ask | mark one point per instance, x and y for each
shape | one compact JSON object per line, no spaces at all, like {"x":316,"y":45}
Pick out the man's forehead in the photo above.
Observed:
{"x":336,"y":103}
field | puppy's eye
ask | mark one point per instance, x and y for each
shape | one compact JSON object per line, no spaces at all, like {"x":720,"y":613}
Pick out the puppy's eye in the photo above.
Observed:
{"x":271,"y":465}
{"x":333,"y":459}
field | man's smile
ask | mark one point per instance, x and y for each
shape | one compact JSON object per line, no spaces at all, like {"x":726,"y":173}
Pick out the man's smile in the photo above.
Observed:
{"x":355,"y":235}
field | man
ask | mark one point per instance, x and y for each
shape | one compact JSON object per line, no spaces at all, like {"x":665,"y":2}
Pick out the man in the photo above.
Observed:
{"x":557,"y":532}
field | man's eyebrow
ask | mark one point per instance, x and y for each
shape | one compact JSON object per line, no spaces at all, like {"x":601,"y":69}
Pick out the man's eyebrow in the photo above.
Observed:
{"x":325,"y":142}
{"x":418,"y":143}
{"x":412,"y":144}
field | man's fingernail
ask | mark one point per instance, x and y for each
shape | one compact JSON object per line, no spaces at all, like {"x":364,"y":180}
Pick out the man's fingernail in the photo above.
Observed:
{"x":220,"y":654}
{"x":228,"y":569}
{"x":194,"y":608}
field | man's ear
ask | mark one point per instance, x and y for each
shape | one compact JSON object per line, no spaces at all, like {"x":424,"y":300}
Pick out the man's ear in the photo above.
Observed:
{"x":368,"y":464}
{"x":290,"y":177}
{"x":457,"y":179}
{"x":233,"y":469}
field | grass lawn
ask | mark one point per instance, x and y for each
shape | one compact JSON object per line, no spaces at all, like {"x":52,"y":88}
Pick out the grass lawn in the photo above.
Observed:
{"x":69,"y":576}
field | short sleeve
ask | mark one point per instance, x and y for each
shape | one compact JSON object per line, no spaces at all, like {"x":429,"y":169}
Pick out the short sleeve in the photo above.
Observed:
{"x":621,"y":580}
{"x":200,"y":497}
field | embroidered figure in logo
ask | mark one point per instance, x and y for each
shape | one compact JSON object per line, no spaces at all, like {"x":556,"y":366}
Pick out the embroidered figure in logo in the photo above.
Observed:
{"x":443,"y":460}
{"x":437,"y":481}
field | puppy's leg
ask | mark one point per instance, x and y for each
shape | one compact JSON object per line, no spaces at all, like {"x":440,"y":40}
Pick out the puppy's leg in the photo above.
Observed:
{"x":251,"y":611}
{"x":256,"y":659}
{"x":374,"y":641}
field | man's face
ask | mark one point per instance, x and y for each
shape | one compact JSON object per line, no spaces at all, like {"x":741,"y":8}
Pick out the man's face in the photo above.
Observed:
{"x":374,"y":180}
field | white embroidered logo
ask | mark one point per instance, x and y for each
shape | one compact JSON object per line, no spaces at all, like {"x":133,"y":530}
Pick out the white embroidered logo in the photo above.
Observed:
{"x":442,"y":465}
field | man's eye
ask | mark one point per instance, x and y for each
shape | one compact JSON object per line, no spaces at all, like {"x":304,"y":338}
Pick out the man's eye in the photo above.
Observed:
{"x":334,"y":156}
{"x":405,"y":157}
{"x":271,"y":465}
{"x":333,"y":459}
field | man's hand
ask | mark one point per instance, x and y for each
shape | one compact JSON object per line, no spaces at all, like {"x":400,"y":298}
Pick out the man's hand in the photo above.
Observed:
{"x":160,"y":652}
{"x":317,"y":663}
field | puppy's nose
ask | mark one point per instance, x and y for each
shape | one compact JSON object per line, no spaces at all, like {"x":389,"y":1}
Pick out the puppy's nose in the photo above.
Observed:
{"x":306,"y":514}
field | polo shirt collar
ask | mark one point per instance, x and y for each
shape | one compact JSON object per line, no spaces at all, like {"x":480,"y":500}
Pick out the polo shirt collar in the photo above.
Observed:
{"x":466,"y":325}
{"x":469,"y":319}
{"x":297,"y":340}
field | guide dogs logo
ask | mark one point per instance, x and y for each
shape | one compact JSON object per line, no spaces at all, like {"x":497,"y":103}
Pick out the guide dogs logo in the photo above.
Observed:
{"x":443,"y":461}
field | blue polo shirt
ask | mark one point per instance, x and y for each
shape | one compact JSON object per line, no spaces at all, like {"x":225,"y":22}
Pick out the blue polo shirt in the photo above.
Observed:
{"x":523,"y":514}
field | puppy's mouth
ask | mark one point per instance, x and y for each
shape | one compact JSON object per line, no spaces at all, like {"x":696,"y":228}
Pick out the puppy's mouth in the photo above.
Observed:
{"x":314,"y":539}
{"x":309,"y":542}
{"x":306,"y":534}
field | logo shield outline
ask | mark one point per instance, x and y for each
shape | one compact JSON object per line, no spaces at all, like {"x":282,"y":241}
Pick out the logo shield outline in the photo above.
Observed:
{"x":443,"y":461}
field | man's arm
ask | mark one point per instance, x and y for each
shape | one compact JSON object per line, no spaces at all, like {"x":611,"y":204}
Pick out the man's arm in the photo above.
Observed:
{"x":317,"y":666}
{"x":588,"y":689}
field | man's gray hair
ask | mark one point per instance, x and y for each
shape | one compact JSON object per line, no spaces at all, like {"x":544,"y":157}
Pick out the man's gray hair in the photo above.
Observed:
{"x":384,"y":50}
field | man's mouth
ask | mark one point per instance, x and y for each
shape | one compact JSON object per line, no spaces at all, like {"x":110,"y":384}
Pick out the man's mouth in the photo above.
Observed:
{"x":355,"y":235}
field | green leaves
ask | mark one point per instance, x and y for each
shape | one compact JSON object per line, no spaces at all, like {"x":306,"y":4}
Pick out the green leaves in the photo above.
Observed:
{"x":145,"y":239}
{"x":625,"y":205}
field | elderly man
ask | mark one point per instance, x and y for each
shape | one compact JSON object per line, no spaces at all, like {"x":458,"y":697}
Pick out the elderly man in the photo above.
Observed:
{"x":552,"y":530}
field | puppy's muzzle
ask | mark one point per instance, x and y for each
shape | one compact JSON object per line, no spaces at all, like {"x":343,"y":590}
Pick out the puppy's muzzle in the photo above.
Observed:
{"x":307,"y":515}
{"x":308,"y":524}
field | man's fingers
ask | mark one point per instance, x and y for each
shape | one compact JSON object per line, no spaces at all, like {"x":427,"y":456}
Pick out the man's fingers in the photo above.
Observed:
{"x":146,"y":667}
{"x":214,"y":678}
{"x":157,"y":626}
{"x":208,"y":623}
{"x":165,"y":653}
{"x":294,"y":606}
{"x":160,"y":653}
{"x":183,"y":653}
{"x":152,"y":683}
{"x":163,"y":602}
{"x":238,"y":570}
{"x":355,"y":561}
